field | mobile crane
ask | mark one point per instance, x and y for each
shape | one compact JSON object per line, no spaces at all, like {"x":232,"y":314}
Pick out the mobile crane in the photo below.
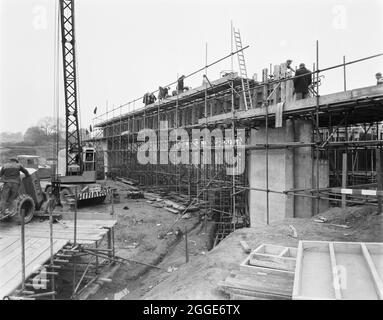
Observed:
{"x":79,"y":172}
{"x":78,"y":175}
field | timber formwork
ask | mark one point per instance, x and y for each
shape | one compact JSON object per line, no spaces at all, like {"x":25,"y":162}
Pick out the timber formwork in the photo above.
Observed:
{"x":336,"y":118}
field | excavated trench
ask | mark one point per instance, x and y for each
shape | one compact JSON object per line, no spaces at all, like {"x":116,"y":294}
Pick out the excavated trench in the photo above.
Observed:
{"x":129,"y":272}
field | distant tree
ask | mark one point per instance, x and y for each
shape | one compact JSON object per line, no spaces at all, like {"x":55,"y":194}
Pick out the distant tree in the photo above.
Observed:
{"x":49,"y":125}
{"x":11,"y":137}
{"x":35,"y":136}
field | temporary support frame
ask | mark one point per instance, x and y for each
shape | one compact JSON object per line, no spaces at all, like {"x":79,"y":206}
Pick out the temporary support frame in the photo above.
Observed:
{"x":191,"y":179}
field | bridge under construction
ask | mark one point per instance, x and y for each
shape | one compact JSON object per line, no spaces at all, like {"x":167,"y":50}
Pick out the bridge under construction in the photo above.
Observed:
{"x":295,"y":153}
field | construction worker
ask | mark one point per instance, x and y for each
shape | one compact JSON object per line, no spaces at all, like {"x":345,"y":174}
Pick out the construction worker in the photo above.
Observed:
{"x":145,"y":99}
{"x":152,"y":98}
{"x":163,"y":93}
{"x":288,"y":65}
{"x":301,"y":84}
{"x":180,"y":84}
{"x":379,"y":78}
{"x":10,"y":174}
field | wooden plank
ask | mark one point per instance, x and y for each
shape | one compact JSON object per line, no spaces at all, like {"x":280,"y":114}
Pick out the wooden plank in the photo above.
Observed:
{"x":266,"y":271}
{"x":57,"y":234}
{"x":344,"y":263}
{"x":56,"y":230}
{"x":13,"y":265}
{"x":298,"y":271}
{"x":377,"y":280}
{"x":89,"y":216}
{"x":273,"y":256}
{"x":245,"y":246}
{"x":65,"y":237}
{"x":237,"y":296}
{"x":13,"y":283}
{"x":334,"y":266}
{"x":15,"y":250}
{"x":250,"y":295}
{"x":284,"y":252}
{"x":6,"y":243}
{"x":269,"y":249}
{"x":247,"y":268}
{"x":270,"y":261}
{"x":271,"y":284}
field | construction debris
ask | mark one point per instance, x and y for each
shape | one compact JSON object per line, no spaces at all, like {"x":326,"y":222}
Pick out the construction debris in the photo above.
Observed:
{"x":172,"y":210}
{"x":134,"y":195}
{"x":249,"y":285}
{"x":265,"y":274}
{"x":294,"y":231}
{"x":172,"y":269}
{"x":130,"y":182}
{"x":121,"y":294}
{"x":245,"y":246}
{"x":186,"y":216}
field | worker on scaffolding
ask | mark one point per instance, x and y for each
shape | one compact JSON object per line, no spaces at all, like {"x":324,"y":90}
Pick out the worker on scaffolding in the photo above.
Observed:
{"x":180,"y":85}
{"x":10,"y":174}
{"x":379,"y":78}
{"x":302,"y":81}
{"x":288,"y":65}
{"x":163,"y":93}
{"x":149,"y":98}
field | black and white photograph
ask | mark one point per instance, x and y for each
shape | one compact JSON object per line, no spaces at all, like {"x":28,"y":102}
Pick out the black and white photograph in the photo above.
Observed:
{"x":191,"y":155}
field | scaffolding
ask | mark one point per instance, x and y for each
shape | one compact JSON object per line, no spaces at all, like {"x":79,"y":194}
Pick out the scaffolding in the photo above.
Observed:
{"x":72,"y":263}
{"x":217,"y":104}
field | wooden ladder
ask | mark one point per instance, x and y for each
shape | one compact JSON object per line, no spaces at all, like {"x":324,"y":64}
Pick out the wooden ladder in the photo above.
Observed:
{"x":242,"y":71}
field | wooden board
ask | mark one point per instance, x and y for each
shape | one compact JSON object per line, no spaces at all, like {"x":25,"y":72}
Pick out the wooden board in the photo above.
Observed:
{"x":246,"y":267}
{"x":339,"y":270}
{"x":37,"y":246}
{"x":37,"y":253}
{"x":88,"y":231}
{"x":272,"y":256}
{"x":266,"y":286}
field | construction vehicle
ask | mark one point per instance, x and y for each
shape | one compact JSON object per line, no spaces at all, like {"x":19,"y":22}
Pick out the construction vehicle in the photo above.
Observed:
{"x":30,"y":199}
{"x":32,"y":161}
{"x":77,"y":177}
{"x":76,"y":165}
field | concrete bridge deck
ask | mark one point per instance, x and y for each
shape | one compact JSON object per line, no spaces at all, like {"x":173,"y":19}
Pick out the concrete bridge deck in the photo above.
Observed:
{"x":363,"y":104}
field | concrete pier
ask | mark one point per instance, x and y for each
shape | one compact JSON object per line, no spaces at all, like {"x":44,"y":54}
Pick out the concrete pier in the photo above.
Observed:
{"x":288,"y":169}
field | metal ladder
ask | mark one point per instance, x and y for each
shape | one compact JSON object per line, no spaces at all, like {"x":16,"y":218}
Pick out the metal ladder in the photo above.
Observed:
{"x":242,"y":71}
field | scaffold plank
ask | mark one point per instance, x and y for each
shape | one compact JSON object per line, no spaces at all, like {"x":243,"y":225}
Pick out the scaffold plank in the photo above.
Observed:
{"x":37,"y":252}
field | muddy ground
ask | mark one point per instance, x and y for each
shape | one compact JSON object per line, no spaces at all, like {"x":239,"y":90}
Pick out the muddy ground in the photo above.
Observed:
{"x":139,"y":236}
{"x":140,"y":224}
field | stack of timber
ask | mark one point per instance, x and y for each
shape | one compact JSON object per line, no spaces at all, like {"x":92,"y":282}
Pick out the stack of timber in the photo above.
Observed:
{"x":339,"y":271}
{"x":132,"y":191}
{"x":176,"y":207}
{"x":133,"y":194}
{"x":267,"y":273}
{"x":127,"y":181}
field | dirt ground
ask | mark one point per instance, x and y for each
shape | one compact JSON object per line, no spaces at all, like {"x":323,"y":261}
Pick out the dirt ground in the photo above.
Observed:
{"x":141,"y":224}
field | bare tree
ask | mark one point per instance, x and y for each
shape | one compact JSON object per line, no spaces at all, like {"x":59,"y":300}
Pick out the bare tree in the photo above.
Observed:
{"x":49,"y":125}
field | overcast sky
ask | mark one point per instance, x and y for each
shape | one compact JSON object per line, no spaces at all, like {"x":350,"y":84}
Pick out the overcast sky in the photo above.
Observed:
{"x":126,"y":48}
